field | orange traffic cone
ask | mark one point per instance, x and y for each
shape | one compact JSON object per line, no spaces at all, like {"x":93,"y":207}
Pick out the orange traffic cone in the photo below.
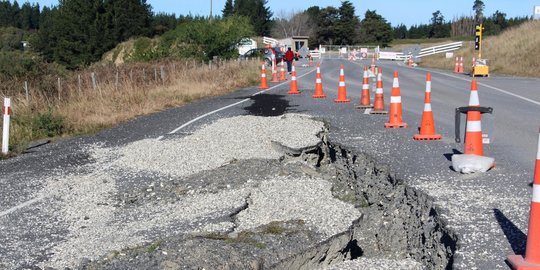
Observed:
{"x":319,"y":93}
{"x":264,"y":81}
{"x":460,"y":65}
{"x":294,"y":85}
{"x":310,"y":61}
{"x":456,"y":67}
{"x":532,"y":251}
{"x":373,"y":64}
{"x":378,"y":107}
{"x":365,"y":99}
{"x":282,"y":72}
{"x":274,"y":72}
{"x":342,"y":90}
{"x":427,"y":128}
{"x":473,"y":133}
{"x":395,"y":106}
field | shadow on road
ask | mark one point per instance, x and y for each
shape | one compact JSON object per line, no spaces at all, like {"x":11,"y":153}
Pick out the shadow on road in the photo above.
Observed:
{"x":514,"y":235}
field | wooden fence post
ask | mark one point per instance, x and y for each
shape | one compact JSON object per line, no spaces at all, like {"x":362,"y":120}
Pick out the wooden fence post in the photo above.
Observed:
{"x":162,"y":69}
{"x":79,"y":83}
{"x":116,"y":81}
{"x":94,"y":83}
{"x":59,"y":89}
{"x":26,"y":91}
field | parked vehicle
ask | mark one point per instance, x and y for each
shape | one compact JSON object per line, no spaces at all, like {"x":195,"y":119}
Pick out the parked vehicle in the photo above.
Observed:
{"x":265,"y":54}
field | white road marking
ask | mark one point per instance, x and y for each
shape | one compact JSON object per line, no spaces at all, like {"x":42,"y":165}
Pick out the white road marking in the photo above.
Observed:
{"x":228,"y":106}
{"x":22,"y":205}
{"x":485,"y":85}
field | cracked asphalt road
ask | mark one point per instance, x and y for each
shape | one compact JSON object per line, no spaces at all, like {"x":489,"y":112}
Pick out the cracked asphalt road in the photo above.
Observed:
{"x":488,"y":211}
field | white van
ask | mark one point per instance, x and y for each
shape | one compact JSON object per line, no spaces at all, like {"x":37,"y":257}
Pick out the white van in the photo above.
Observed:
{"x":245,"y":45}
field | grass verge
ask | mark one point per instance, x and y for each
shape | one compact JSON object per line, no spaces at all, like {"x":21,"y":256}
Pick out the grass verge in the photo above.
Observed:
{"x":513,"y":52}
{"x":86,"y":103}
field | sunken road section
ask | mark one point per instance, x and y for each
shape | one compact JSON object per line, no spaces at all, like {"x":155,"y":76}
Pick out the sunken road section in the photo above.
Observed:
{"x":244,"y":192}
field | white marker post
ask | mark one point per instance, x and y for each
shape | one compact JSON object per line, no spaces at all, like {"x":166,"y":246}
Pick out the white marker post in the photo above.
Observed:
{"x":5,"y":134}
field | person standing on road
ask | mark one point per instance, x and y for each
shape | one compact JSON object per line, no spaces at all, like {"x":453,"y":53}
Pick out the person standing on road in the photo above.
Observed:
{"x":289,"y":57}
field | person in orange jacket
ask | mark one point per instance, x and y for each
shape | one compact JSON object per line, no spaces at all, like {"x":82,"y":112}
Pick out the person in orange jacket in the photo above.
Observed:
{"x":289,"y":57}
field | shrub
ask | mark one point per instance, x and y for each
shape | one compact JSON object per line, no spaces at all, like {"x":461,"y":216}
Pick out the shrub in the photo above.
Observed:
{"x":47,"y":124}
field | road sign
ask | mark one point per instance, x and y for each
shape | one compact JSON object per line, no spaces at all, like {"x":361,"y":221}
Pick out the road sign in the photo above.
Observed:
{"x":536,"y":14}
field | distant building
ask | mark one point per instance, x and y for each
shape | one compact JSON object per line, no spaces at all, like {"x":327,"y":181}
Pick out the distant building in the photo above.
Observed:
{"x":295,"y":42}
{"x":536,"y":14}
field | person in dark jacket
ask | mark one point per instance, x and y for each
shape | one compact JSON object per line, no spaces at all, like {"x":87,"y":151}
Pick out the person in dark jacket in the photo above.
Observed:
{"x":289,"y":57}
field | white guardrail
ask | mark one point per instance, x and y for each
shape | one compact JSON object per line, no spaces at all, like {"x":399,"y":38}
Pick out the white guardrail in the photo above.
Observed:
{"x":423,"y":52}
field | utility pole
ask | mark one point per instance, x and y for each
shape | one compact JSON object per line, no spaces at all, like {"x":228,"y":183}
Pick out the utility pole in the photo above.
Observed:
{"x":210,"y":9}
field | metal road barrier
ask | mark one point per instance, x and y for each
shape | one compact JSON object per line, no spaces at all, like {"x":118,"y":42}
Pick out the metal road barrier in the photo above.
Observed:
{"x":423,"y":52}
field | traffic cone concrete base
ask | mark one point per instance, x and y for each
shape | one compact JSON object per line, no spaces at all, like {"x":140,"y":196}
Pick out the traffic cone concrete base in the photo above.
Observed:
{"x":517,"y":262}
{"x":473,"y":160}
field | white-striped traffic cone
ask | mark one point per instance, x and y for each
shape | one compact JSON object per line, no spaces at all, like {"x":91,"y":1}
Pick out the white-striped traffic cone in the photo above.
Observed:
{"x":396,"y":119}
{"x":473,"y":133}
{"x":532,"y":251}
{"x":365,"y":99}
{"x":427,"y":127}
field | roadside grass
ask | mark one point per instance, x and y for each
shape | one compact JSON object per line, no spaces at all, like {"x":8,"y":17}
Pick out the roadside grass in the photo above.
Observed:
{"x":513,"y":52}
{"x":120,"y":93}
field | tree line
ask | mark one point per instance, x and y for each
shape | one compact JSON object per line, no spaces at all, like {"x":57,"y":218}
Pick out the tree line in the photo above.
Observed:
{"x":76,"y":33}
{"x":457,"y":27}
{"x":340,"y":26}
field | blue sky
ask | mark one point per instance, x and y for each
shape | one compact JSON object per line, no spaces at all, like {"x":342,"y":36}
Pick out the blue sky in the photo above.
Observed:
{"x":408,"y":12}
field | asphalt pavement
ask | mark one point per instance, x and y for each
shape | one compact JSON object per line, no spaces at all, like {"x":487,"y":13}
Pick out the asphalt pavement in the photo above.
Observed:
{"x":488,"y":211}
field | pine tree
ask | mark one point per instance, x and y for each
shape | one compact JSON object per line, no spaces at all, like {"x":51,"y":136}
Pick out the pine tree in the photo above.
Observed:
{"x":326,"y":33}
{"x":400,"y":32}
{"x":26,"y":17}
{"x":438,"y":28}
{"x":228,"y":10}
{"x":257,"y":12}
{"x":347,"y":24}
{"x":375,"y":29}
{"x":129,"y":18}
{"x":478,"y":8}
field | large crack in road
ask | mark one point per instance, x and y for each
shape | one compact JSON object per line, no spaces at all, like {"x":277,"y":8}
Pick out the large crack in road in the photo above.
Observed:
{"x":254,"y":198}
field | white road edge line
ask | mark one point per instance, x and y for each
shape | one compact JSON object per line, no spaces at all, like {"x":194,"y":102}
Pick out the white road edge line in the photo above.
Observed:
{"x":485,"y":85}
{"x":228,"y":106}
{"x":22,"y":205}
